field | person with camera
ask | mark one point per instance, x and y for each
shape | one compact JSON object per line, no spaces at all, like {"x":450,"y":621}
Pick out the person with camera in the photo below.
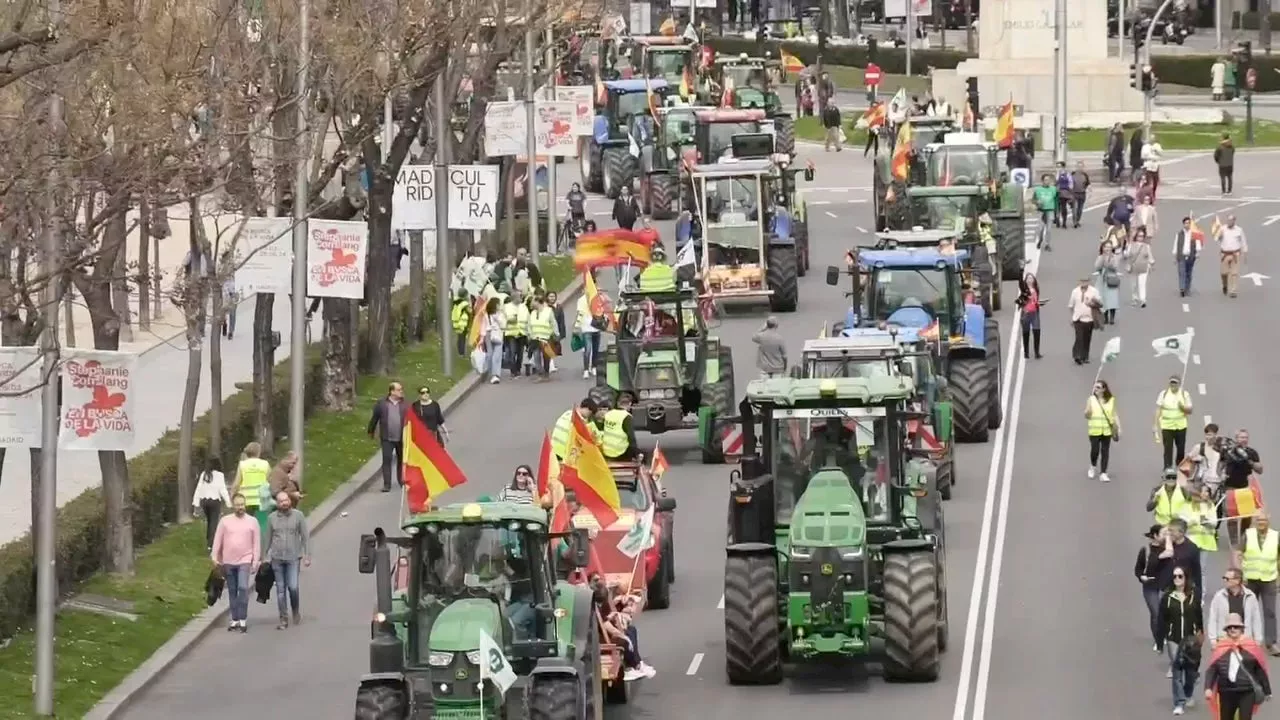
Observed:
{"x":1181,"y":623}
{"x":1239,"y":464}
{"x":1206,"y":459}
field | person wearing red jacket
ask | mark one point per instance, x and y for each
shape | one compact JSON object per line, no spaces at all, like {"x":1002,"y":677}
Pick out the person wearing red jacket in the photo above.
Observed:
{"x":1236,"y":681}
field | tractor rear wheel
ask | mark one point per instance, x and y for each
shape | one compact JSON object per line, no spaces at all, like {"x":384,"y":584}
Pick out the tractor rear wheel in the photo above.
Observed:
{"x":784,"y":135}
{"x":381,"y":702}
{"x":618,"y":168}
{"x":800,"y":231}
{"x":554,"y":697}
{"x":752,"y":640}
{"x":911,"y":617}
{"x":662,"y":196}
{"x":970,"y":382}
{"x":995,"y":357}
{"x":781,"y":276}
{"x":659,"y":595}
{"x":946,"y":478}
{"x":1013,"y":252}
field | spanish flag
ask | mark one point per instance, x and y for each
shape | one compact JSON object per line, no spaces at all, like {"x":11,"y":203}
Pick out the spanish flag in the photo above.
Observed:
{"x":598,"y":303}
{"x":1196,"y":233}
{"x":686,"y":83}
{"x":428,"y":469}
{"x":901,"y":163}
{"x":874,"y":117}
{"x":602,"y":93}
{"x":1004,"y":126}
{"x":790,"y":63}
{"x":1246,"y":646}
{"x":659,"y":465}
{"x":548,"y":467}
{"x":587,"y":474}
{"x":1245,"y":502}
{"x":651,"y":99}
{"x":1216,"y":229}
{"x":612,"y":248}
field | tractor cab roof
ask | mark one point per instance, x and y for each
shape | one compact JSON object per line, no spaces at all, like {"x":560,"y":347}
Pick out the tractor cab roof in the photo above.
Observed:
{"x":635,"y":297}
{"x":946,"y":191}
{"x":911,"y":259}
{"x":735,"y":168}
{"x":662,"y":41}
{"x":729,"y":116}
{"x":480,"y":512}
{"x":634,"y":85}
{"x":967,"y":138}
{"x":894,"y":239}
{"x":880,"y":337}
{"x":789,"y":392}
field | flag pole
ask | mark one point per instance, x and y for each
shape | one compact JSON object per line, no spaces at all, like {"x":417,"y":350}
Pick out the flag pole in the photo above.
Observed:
{"x":1183,"y":382}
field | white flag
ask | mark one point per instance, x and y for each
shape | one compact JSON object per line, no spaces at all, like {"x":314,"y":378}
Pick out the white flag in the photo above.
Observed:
{"x":898,"y":104}
{"x":640,"y":538}
{"x":690,"y":33}
{"x":1112,"y":350}
{"x":494,"y":665}
{"x":1178,"y":345}
{"x":686,"y":255}
{"x":633,"y":147}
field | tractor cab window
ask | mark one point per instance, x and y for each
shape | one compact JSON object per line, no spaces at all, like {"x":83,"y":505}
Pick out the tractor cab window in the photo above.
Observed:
{"x":750,"y":98}
{"x":941,"y":213}
{"x":912,"y":297}
{"x":720,"y":137}
{"x":747,"y":76}
{"x":666,"y":64}
{"x":853,"y":440}
{"x":672,"y":124}
{"x":629,"y":105}
{"x":950,"y":165}
{"x":733,"y":209}
{"x":655,"y":320}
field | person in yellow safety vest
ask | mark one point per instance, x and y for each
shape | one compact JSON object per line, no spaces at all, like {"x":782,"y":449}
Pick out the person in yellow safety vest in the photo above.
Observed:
{"x":251,"y":482}
{"x":1168,"y":500}
{"x":460,"y":315}
{"x":659,"y":276}
{"x":1261,"y":565}
{"x":1173,"y":405}
{"x":1104,"y":425}
{"x":543,"y":330}
{"x":563,"y":429}
{"x":513,"y":340}
{"x":618,"y":438}
{"x":1201,"y":516}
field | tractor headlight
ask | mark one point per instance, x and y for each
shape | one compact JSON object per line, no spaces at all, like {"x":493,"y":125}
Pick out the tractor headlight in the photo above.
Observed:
{"x":801,"y":553}
{"x":439,"y":659}
{"x":851,"y":553}
{"x":668,"y":394}
{"x":473,"y":657}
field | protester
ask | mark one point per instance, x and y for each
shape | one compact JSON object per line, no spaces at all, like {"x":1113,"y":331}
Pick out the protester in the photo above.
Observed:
{"x":1234,"y":247}
{"x":1182,"y":553}
{"x":288,"y":544}
{"x":557,"y":344}
{"x":831,"y":122}
{"x":521,"y":489}
{"x":1080,"y":183}
{"x":1168,"y":499}
{"x":1224,"y":156}
{"x":1104,"y":426}
{"x":1115,"y":153}
{"x":251,"y":482}
{"x":1148,"y":568}
{"x":493,"y":336}
{"x":1030,"y":302}
{"x":516,"y":315}
{"x":542,"y":332}
{"x":1173,"y":406}
{"x":771,"y":350}
{"x":1045,"y":199}
{"x":1234,"y":599}
{"x":426,"y":409}
{"x":1207,"y":459}
{"x":626,"y":210}
{"x":1135,"y":156}
{"x":460,"y":318}
{"x":617,"y":434}
{"x":1146,"y":218}
{"x":1181,"y":621}
{"x":1260,"y":558}
{"x":210,"y":498}
{"x":1138,"y":253}
{"x":283,"y":478}
{"x":387,"y":420}
{"x":1083,"y":303}
{"x":1107,"y":279}
{"x":1236,"y":679}
{"x":237,"y":547}
{"x":588,"y":332}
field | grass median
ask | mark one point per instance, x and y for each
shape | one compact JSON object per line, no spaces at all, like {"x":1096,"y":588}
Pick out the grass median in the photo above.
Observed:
{"x":1172,"y":136}
{"x":96,"y":652}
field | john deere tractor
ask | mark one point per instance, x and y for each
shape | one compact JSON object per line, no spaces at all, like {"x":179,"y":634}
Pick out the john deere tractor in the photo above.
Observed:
{"x":669,"y":58}
{"x":605,"y":158}
{"x":472,"y":570}
{"x":966,"y":159}
{"x":889,"y":192}
{"x":748,"y":84}
{"x":683,"y":136}
{"x":956,"y":213}
{"x":923,"y":289}
{"x":835,"y":546}
{"x":680,"y":375}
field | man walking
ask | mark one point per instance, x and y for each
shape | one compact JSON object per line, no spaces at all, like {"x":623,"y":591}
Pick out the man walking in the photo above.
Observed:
{"x":1185,"y":249}
{"x":1082,"y":303}
{"x":771,"y":351}
{"x":1224,"y":156}
{"x":1079,"y":194}
{"x":1173,"y":407}
{"x":388,"y":419}
{"x":1233,"y":599}
{"x":236,"y":547}
{"x":831,"y":121}
{"x":1261,"y":566}
{"x":288,"y":543}
{"x":1233,"y":245}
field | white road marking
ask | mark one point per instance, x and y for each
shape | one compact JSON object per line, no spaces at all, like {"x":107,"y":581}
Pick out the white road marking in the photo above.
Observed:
{"x":860,"y":229}
{"x":1196,"y":358}
{"x":1200,"y":388}
{"x":1186,"y":307}
{"x":1208,"y":419}
{"x":830,"y":214}
{"x":694,"y":664}
{"x":720,"y":606}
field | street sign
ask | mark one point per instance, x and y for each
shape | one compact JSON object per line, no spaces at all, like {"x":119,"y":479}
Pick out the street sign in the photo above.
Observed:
{"x":1251,"y":78}
{"x":473,"y":197}
{"x":413,"y":199}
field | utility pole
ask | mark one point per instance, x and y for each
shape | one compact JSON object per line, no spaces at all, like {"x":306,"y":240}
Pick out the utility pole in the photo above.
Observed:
{"x":46,"y":523}
{"x":911,"y":31}
{"x":552,"y":202}
{"x":531,"y":138}
{"x":1060,"y":80}
{"x":301,"y":192}
{"x":443,"y":263}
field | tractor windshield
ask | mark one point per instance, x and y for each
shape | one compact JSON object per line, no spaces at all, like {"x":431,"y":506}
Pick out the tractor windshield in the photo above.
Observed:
{"x":631,"y":104}
{"x":951,"y":165}
{"x":744,"y":76}
{"x":650,"y":321}
{"x":912,"y":297}
{"x":632,"y":493}
{"x":678,"y":127}
{"x":667,"y":64}
{"x":833,"y":367}
{"x":854,"y":439}
{"x":720,"y":136}
{"x":942,"y":213}
{"x":733,"y":212}
{"x":481,"y":559}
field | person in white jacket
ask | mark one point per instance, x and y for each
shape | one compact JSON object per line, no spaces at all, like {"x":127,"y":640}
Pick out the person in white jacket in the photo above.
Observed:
{"x":210,"y":498}
{"x":1245,"y":603}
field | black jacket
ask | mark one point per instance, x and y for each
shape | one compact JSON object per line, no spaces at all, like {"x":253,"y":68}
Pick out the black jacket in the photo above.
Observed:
{"x":626,"y":211}
{"x":378,"y":419}
{"x":430,"y":414}
{"x":1150,"y":564}
{"x":1180,"y":619}
{"x":1218,"y":675}
{"x":1186,"y":556}
{"x":214,"y":586}
{"x":263,"y":581}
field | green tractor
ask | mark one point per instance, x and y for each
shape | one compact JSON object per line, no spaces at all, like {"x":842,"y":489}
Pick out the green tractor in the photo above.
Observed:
{"x":470,"y":570}
{"x":955,"y":213}
{"x":683,"y":136}
{"x":966,"y":159}
{"x":749,"y":84}
{"x":661,"y":56}
{"x":923,"y":289}
{"x":893,"y":352}
{"x":604,"y":158}
{"x":836,"y":547}
{"x":889,"y":192}
{"x":681,"y":376}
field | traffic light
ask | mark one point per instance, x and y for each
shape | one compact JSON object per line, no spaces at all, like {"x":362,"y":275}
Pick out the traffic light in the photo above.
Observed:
{"x":1134,"y":78}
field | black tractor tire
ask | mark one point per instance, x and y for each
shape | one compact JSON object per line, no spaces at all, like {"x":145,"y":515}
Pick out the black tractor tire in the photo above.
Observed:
{"x":659,"y":596}
{"x":594,"y":179}
{"x":381,"y":702}
{"x":662,"y":196}
{"x":752,"y":639}
{"x":995,"y":357}
{"x":970,"y":385}
{"x":944,"y":609}
{"x":720,"y":396}
{"x":601,"y":394}
{"x":946,"y":478}
{"x":783,"y":279}
{"x":555,"y":697}
{"x":1013,"y":253}
{"x":911,"y":617}
{"x":784,"y":135}
{"x":618,"y":168}
{"x":800,"y":231}
{"x":670,"y":554}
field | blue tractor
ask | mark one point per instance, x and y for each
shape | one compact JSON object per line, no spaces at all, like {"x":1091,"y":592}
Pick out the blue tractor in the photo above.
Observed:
{"x":922,"y":288}
{"x":623,"y":113}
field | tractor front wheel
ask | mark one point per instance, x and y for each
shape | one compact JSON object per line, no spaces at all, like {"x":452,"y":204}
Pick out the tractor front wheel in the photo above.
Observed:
{"x":800,"y":231}
{"x":995,"y":357}
{"x":752,"y":638}
{"x":554,"y":697}
{"x":662,"y":196}
{"x":970,"y":381}
{"x":782,"y":276}
{"x":659,"y":596}
{"x":381,"y":702}
{"x":911,"y":617}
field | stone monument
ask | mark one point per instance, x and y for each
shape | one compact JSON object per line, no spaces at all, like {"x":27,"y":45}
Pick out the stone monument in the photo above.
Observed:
{"x":1015,"y":60}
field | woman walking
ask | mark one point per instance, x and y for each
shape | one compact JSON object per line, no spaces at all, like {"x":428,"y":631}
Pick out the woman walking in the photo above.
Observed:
{"x":1029,"y":301}
{"x":492,"y":329}
{"x":210,"y":498}
{"x":588,"y":335}
{"x":1106,"y":270}
{"x":553,"y":302}
{"x":1140,"y":260}
{"x":1104,"y":426}
{"x":1182,"y":628}
{"x":1148,"y":568}
{"x":1236,"y":679}
{"x":1201,"y":515}
{"x":1145,"y":217}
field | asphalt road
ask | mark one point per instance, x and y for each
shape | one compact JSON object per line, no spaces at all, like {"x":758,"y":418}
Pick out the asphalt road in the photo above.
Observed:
{"x":1056,"y":547}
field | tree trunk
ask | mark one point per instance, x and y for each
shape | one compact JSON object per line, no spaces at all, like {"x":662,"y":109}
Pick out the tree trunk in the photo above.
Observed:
{"x":144,"y":264}
{"x":220,"y":310}
{"x":120,"y":294}
{"x":842,"y":19}
{"x":192,"y":302}
{"x":379,"y":277}
{"x":68,"y":311}
{"x":264,"y":361}
{"x":339,"y":391}
{"x":416,"y":280}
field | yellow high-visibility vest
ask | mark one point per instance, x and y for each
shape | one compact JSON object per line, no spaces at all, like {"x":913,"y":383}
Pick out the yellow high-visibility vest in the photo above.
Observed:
{"x":1171,"y":415}
{"x":542,"y":324}
{"x":461,"y":316}
{"x":1168,"y":508}
{"x":1101,"y":411}
{"x":517,"y":317}
{"x":253,"y":477}
{"x":658,"y":277}
{"x":1197,"y":513}
{"x":560,"y":433}
{"x":1260,"y":558}
{"x":614,"y":436}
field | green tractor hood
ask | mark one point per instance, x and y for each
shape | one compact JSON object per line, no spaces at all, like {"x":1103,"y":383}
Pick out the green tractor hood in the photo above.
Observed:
{"x":829,"y":513}
{"x":457,"y":627}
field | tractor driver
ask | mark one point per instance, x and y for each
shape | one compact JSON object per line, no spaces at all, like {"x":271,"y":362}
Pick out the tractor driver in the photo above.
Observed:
{"x":831,"y":445}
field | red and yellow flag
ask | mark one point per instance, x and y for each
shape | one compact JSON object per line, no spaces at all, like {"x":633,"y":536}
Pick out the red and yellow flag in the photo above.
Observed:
{"x":1004,"y":126}
{"x":790,"y":63}
{"x":587,"y":474}
{"x":668,"y":27}
{"x":477,"y":316}
{"x":1246,"y":646}
{"x":874,"y":117}
{"x":726,"y":97}
{"x":548,"y":467}
{"x":659,"y":465}
{"x":1196,"y":233}
{"x":612,"y":248}
{"x":428,"y":469}
{"x":901,"y":163}
{"x":602,"y":93}
{"x":686,"y":83}
{"x":1244,"y":502}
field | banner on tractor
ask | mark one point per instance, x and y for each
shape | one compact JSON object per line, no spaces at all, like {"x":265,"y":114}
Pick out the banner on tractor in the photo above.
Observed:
{"x":614,"y":248}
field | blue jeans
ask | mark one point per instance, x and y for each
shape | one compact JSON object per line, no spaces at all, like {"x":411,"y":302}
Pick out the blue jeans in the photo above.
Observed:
{"x":238,"y":578}
{"x":590,"y":349}
{"x":1151,"y":596}
{"x":493,"y":357}
{"x":523,"y":619}
{"x":1185,"y":266}
{"x":1184,"y":679}
{"x":286,"y":572}
{"x":631,"y":655}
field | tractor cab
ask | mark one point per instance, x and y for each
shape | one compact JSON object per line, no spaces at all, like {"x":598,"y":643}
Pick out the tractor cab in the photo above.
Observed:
{"x":853,"y":355}
{"x":750,"y":83}
{"x":620,"y":102}
{"x":668,"y":58}
{"x":715,"y":130}
{"x":962,"y":159}
{"x":961,"y":211}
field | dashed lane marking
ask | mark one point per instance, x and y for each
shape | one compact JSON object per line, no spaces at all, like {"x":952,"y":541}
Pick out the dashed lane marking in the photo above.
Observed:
{"x":1200,"y":388}
{"x":1196,"y":358}
{"x":720,"y":606}
{"x":694,"y":664}
{"x":830,"y":214}
{"x":1208,"y":419}
{"x":1186,"y":308}
{"x":860,"y":229}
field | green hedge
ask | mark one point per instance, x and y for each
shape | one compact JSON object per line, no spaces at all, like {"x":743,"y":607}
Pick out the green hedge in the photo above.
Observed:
{"x":1187,"y":70}
{"x":1249,"y":21}
{"x":81,"y":522}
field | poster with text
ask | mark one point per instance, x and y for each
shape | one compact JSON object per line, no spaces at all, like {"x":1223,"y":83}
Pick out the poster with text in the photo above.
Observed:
{"x":583,"y":97}
{"x":264,"y":256}
{"x":555,"y":122}
{"x":505,"y":128}
{"x":413,"y":198}
{"x":98,"y":408}
{"x":336,"y":251}
{"x":20,"y":388}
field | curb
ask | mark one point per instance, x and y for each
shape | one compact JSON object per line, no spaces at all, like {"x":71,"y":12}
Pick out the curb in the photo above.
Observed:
{"x":116,"y":702}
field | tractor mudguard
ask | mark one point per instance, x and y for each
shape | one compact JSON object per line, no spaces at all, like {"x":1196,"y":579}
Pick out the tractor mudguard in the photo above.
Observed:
{"x":907,"y":545}
{"x":394,"y":679}
{"x":555,"y":666}
{"x":975,"y":319}
{"x":751,"y":548}
{"x":781,"y":241}
{"x":600,"y":130}
{"x":782,"y":234}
